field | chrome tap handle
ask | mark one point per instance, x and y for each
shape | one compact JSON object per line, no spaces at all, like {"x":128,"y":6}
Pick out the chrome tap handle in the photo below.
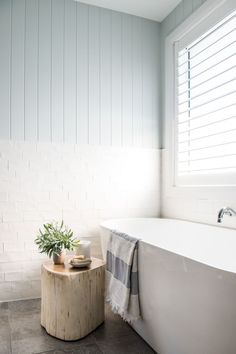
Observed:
{"x":225,"y":211}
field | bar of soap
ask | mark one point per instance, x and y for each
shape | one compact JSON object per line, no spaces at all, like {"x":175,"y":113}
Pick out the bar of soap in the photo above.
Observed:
{"x":80,"y":257}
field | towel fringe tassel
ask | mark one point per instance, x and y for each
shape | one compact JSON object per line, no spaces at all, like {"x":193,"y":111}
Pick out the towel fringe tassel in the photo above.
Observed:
{"x":123,"y":314}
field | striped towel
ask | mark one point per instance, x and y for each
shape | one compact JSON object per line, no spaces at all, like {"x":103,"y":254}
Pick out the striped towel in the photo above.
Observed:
{"x":122,"y":276}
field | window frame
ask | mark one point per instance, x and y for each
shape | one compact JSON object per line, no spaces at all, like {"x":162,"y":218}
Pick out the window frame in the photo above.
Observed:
{"x":205,"y":17}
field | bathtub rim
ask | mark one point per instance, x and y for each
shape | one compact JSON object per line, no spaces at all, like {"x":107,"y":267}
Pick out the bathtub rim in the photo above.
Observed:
{"x":105,"y":225}
{"x":219,"y":226}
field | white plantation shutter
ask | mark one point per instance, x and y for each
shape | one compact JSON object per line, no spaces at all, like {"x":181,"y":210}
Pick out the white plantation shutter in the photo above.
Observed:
{"x":206,"y":102}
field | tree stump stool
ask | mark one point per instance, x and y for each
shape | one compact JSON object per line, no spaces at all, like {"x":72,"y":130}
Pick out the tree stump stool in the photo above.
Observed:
{"x":72,"y":302}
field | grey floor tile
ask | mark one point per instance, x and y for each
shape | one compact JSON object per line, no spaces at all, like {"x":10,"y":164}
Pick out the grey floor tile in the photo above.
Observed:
{"x":4,"y":310}
{"x":24,"y":307}
{"x":116,"y":337}
{"x":5,"y":333}
{"x":83,"y":349}
{"x":5,"y":347}
{"x":31,"y":345}
{"x":21,"y":333}
{"x":113,"y":327}
{"x":25,"y":326}
{"x":125,"y":345}
{"x":45,"y":342}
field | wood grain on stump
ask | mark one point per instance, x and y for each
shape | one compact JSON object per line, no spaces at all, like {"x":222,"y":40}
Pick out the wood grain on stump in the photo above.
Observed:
{"x":72,"y":299}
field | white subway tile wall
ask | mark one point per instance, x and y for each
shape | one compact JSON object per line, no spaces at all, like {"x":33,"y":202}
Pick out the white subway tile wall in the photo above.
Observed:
{"x":194,"y":203}
{"x":82,"y":185}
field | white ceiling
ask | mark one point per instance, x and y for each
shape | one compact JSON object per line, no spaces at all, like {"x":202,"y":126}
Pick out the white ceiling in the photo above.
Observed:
{"x":155,"y":10}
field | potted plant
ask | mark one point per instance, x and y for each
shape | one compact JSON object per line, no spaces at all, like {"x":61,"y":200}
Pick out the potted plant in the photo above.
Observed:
{"x":54,"y":239}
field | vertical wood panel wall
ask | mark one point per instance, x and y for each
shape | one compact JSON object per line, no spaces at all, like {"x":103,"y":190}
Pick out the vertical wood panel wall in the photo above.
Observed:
{"x":179,"y":14}
{"x":75,"y":73}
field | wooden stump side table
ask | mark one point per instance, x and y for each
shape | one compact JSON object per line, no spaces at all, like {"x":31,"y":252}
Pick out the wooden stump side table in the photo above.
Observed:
{"x":72,"y":302}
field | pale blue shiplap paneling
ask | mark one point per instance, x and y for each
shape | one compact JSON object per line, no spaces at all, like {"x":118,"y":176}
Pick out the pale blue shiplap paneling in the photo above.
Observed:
{"x":94,"y":76}
{"x":105,"y":76}
{"x":116,"y":55}
{"x":197,"y":3}
{"x":44,"y":70}
{"x":57,"y":79}
{"x":77,"y":73}
{"x":5,"y":69}
{"x":178,"y":15}
{"x":17,"y":70}
{"x":137,"y":81}
{"x":156,"y":87}
{"x":127,"y":80}
{"x":149,"y":73}
{"x":82,"y":74}
{"x":70,"y":74}
{"x":187,"y":7}
{"x":31,"y":70}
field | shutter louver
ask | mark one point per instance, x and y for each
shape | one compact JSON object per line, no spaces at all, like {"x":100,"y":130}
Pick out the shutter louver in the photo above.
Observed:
{"x":206,"y":102}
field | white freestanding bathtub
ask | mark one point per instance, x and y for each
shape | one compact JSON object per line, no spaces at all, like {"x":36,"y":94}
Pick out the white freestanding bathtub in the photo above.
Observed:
{"x":187,"y":281}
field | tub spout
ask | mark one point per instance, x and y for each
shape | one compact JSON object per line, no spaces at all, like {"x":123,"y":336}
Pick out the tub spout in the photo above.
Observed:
{"x":225,"y":211}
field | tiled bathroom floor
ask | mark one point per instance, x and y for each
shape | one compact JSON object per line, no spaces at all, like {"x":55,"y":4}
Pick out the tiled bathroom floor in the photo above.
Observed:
{"x":21,"y":333}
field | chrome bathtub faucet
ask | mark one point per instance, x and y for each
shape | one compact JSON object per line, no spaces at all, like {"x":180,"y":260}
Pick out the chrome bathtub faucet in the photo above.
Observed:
{"x":225,"y":211}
